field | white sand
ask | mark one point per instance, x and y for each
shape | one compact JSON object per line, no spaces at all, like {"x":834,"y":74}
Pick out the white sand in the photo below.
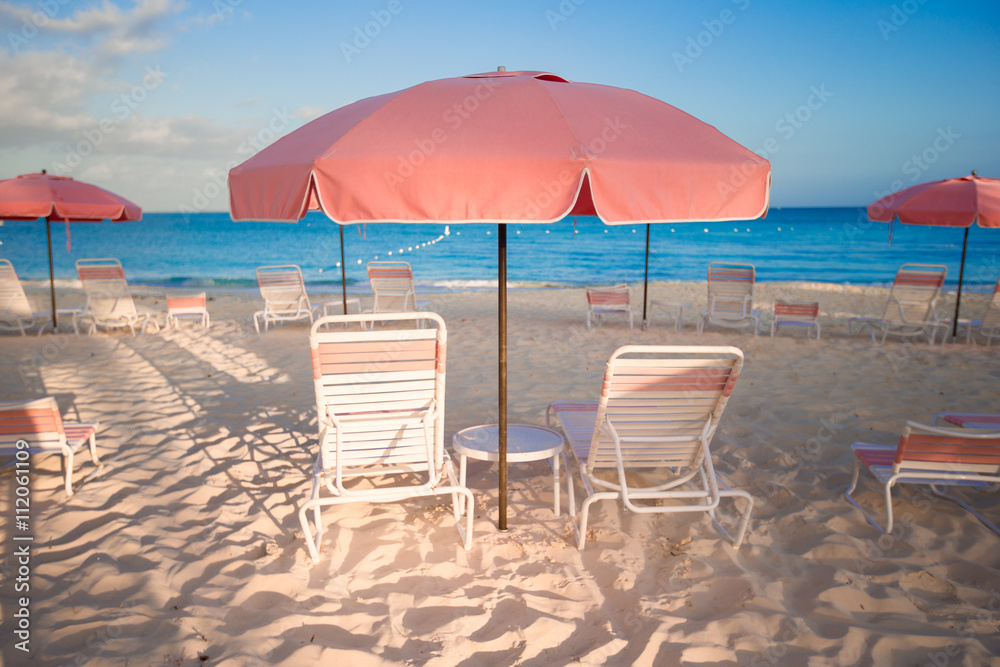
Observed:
{"x":188,"y":544}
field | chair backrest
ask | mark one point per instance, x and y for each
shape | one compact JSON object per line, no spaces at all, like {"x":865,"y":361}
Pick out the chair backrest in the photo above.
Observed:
{"x":105,"y":286}
{"x":948,"y":450}
{"x":282,"y":288}
{"x":730,"y":290}
{"x":193,"y":304}
{"x":664,"y":402}
{"x":787,"y":311}
{"x":914,"y":293}
{"x":616,"y":297}
{"x":36,"y":421}
{"x":392,"y":286}
{"x":991,"y":320}
{"x":13,"y":302}
{"x":378,"y":387}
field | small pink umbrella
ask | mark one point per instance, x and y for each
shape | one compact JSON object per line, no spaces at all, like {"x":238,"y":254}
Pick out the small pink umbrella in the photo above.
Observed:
{"x":953,"y":202}
{"x":503,"y":147}
{"x":60,"y":199}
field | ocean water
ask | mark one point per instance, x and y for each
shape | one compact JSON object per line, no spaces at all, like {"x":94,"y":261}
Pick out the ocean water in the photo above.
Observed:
{"x":837,"y":245}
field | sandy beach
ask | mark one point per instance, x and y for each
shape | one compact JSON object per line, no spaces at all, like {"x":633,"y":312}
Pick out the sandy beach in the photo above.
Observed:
{"x":186,"y":549}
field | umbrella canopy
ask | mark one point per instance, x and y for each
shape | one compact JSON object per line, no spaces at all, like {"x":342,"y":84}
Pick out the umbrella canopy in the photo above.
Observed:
{"x":503,"y":147}
{"x":953,"y":202}
{"x":60,"y":199}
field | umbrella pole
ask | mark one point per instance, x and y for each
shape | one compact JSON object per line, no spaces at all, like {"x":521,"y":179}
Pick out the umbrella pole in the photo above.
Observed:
{"x":343,"y":272}
{"x":502,"y":335}
{"x":961,"y":274}
{"x":645,"y":283}
{"x":52,"y":280}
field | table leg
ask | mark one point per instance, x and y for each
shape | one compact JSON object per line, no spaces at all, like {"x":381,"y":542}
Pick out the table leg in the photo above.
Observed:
{"x":461,"y":482}
{"x":555,"y":479}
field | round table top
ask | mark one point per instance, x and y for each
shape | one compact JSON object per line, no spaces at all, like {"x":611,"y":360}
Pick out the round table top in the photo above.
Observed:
{"x":524,"y":442}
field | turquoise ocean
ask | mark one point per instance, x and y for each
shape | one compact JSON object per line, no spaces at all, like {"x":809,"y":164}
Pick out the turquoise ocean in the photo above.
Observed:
{"x":837,"y":245}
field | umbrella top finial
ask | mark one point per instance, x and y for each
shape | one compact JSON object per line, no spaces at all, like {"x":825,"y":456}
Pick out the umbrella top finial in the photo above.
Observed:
{"x":44,"y":171}
{"x":973,"y":172}
{"x":501,"y":69}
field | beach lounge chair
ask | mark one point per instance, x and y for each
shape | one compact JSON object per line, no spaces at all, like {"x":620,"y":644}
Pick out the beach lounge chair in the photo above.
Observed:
{"x":109,"y":301}
{"x":791,"y":313}
{"x":615,"y":300}
{"x":392,"y":287}
{"x":931,"y":456}
{"x":15,"y":310}
{"x":380,"y":403}
{"x":910,"y":311}
{"x":989,"y":422}
{"x":187,"y":307}
{"x":38,"y":424}
{"x":989,"y":326}
{"x":284,"y":294}
{"x":646,"y":441}
{"x":730,"y":297}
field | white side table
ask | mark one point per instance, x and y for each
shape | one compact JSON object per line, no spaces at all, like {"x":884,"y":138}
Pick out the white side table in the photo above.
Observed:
{"x":524,"y":443}
{"x":337,"y":307}
{"x":677,"y":306}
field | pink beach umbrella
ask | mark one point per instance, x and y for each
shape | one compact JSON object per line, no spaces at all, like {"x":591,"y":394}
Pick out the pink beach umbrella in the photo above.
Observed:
{"x":503,"y":147}
{"x":953,"y":202}
{"x":60,"y":199}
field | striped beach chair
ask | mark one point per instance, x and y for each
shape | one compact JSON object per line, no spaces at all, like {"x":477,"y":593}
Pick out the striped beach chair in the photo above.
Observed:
{"x":109,"y":301}
{"x":187,"y":307}
{"x":793,"y":313}
{"x":910,"y":310}
{"x":39,"y":426}
{"x":614,"y":300}
{"x":730,"y":297}
{"x":380,"y":404}
{"x":284,"y":294}
{"x":931,"y":456}
{"x":646,"y":440}
{"x":15,"y":310}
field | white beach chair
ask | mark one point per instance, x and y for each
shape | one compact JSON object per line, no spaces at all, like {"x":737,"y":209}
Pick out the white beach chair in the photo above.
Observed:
{"x":284,"y":294}
{"x":910,"y":310}
{"x":931,"y":456}
{"x":16,"y":313}
{"x":796,"y":314}
{"x":109,"y":301}
{"x":615,"y":300}
{"x":730,"y":297}
{"x":187,"y":307}
{"x":989,"y":326}
{"x":646,"y":441}
{"x":380,"y":403}
{"x":392,"y":288}
{"x":38,"y":424}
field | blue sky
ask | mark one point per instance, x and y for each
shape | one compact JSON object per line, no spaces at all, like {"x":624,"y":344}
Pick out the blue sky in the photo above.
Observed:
{"x":156,"y":99}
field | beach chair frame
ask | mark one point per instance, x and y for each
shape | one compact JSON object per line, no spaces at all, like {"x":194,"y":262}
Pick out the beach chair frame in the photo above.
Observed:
{"x":796,"y":314}
{"x":38,"y":423}
{"x":188,"y":307}
{"x":646,"y":441}
{"x":380,"y":404}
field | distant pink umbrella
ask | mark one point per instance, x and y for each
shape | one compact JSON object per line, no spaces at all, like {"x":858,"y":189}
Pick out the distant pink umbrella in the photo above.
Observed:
{"x":953,"y":202}
{"x":60,"y":199}
{"x":503,"y":147}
